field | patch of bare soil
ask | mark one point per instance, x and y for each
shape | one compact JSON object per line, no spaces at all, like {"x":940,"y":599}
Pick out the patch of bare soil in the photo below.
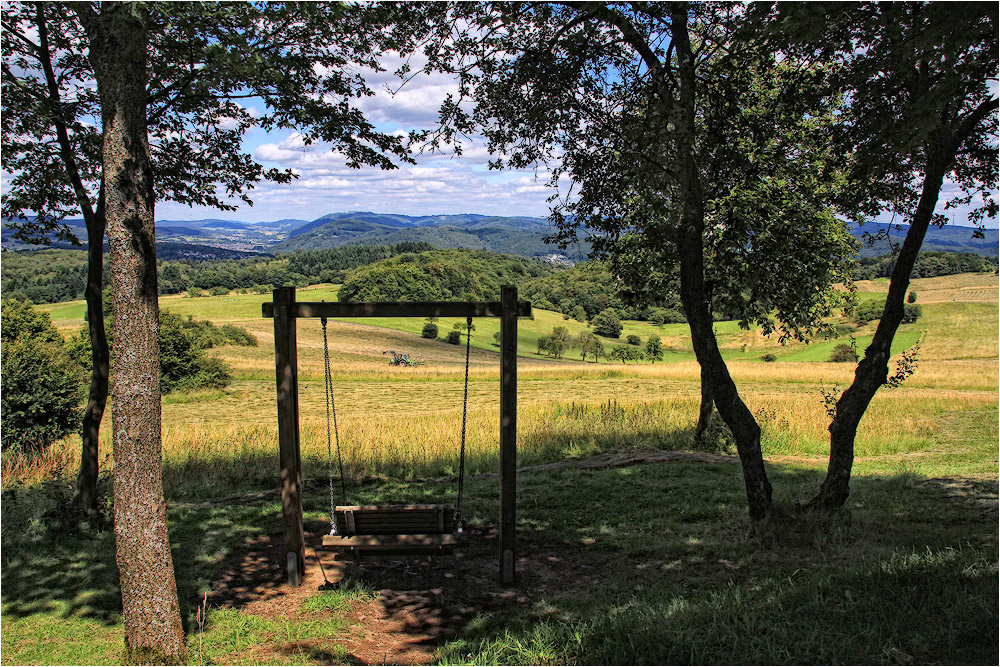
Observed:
{"x":420,"y":602}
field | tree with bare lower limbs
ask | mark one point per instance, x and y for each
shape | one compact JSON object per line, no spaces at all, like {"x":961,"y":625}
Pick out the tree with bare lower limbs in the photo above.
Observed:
{"x":921,"y":77}
{"x":118,"y":40}
{"x":684,"y":149}
{"x":164,"y":122}
{"x":199,"y":78}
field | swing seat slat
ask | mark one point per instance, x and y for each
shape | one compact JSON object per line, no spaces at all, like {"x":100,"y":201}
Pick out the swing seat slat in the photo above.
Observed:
{"x":394,"y":528}
{"x":410,"y":544}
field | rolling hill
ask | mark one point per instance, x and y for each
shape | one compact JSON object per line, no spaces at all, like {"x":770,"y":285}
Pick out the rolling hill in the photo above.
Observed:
{"x":515,"y":235}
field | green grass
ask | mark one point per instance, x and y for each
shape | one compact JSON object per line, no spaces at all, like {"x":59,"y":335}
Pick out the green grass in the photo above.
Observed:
{"x":905,"y":338}
{"x":654,"y":564}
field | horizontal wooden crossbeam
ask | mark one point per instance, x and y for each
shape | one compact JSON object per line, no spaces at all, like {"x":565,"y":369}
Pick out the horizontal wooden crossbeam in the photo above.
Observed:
{"x":337,"y":309}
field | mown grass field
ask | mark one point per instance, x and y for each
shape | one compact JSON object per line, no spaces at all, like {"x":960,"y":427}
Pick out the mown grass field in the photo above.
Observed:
{"x":654,"y":563}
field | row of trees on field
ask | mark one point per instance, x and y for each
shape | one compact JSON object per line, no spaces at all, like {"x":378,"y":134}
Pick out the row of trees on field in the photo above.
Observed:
{"x":560,"y":341}
{"x":51,"y":276}
{"x":928,"y":265}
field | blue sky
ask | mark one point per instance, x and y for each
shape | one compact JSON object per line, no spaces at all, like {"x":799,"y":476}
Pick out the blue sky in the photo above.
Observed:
{"x":437,"y":184}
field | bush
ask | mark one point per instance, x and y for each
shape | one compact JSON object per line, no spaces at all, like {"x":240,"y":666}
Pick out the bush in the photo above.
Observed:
{"x":430,"y":331}
{"x":768,"y":357}
{"x":844,"y":353}
{"x":606,"y":323}
{"x":218,"y":291}
{"x":41,"y":387}
{"x":661,"y":316}
{"x":183,"y":363}
{"x":235,"y":335}
{"x":867,"y":311}
{"x":911,"y":297}
{"x":632,"y":339}
{"x":454,"y":337}
{"x":911,"y":313}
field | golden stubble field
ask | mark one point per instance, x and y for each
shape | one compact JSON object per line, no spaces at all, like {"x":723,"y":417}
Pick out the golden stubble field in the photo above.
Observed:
{"x":407,"y":420}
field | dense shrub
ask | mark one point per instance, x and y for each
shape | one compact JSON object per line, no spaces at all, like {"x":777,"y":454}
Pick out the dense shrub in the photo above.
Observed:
{"x":867,"y":311}
{"x":41,"y":386}
{"x":844,"y":353}
{"x":768,"y":357}
{"x":218,"y":291}
{"x":661,"y":316}
{"x":606,"y":323}
{"x":430,"y":331}
{"x":183,"y":363}
{"x":911,"y":313}
{"x":238,"y":336}
{"x":454,"y":337}
{"x":632,"y":339}
{"x":451,"y":275}
{"x":911,"y":297}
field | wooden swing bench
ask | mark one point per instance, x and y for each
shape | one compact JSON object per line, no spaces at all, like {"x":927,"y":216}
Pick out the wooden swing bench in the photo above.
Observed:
{"x":394,"y":529}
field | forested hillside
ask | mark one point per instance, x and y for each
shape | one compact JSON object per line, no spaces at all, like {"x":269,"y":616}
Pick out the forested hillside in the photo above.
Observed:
{"x":514,"y":235}
{"x":582,"y":291}
{"x":53,"y":275}
{"x":440,"y":275}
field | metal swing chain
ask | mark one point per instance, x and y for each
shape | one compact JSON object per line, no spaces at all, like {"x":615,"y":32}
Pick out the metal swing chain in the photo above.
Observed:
{"x":465,"y":409}
{"x":331,"y":408}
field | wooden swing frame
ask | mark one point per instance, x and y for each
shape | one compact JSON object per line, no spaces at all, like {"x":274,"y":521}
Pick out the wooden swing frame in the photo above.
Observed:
{"x":285,"y":310}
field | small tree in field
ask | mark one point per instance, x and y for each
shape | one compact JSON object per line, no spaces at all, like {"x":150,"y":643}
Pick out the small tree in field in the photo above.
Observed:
{"x":590,"y":345}
{"x":654,"y":349}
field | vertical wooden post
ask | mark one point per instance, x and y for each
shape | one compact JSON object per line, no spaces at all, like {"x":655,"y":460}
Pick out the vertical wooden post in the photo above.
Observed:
{"x":508,"y":430}
{"x":287,"y":374}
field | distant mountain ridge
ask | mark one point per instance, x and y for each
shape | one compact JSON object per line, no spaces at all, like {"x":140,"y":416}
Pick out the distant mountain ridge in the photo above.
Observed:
{"x":519,"y":235}
{"x":950,"y":238}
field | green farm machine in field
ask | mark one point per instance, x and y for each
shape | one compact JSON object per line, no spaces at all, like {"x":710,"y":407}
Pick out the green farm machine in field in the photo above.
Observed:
{"x":403,"y":359}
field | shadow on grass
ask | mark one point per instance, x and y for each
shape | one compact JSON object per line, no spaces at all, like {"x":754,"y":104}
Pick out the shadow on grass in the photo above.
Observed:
{"x":642,"y":563}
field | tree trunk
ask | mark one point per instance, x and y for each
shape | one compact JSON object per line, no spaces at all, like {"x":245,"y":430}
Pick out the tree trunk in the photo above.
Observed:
{"x":694,"y":295}
{"x":705,"y":409}
{"x":873,"y":369}
{"x":118,"y":41}
{"x":86,"y":480}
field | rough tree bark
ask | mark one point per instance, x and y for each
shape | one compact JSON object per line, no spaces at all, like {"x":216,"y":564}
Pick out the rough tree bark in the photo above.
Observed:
{"x":694,"y":295}
{"x":118,"y":41}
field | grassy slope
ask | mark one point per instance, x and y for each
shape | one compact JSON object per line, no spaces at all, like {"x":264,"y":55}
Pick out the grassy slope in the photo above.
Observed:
{"x":663,"y":568}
